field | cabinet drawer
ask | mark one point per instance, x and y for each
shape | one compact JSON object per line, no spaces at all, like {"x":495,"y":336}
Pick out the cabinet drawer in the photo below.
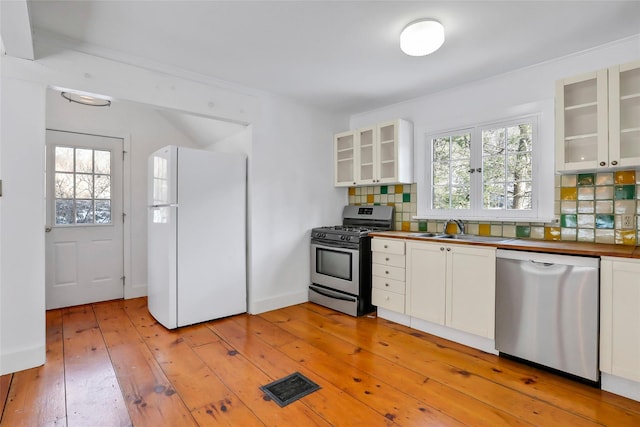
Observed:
{"x":389,"y":300}
{"x":395,"y":273}
{"x":387,"y":284}
{"x":390,"y":246}
{"x":383,"y":258}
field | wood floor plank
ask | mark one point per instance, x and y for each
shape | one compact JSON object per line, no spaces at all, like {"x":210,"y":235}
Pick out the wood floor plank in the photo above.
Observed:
{"x":37,"y":395}
{"x":441,"y":397}
{"x":208,"y":399}
{"x":556,"y":390}
{"x":415,"y":353}
{"x":5,"y":383}
{"x":148,"y":394}
{"x":227,"y":362}
{"x":330,"y":402}
{"x":93,"y":394}
{"x":372,"y":372}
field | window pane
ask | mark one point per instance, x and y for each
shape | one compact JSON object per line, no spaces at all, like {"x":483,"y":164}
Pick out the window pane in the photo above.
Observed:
{"x":494,"y":197}
{"x":64,"y":211}
{"x":84,"y":211}
{"x":461,"y":146}
{"x":441,"y":197}
{"x":441,"y":173}
{"x":519,"y":195}
{"x":103,"y":162}
{"x":440,"y":149}
{"x":460,"y":197}
{"x":103,"y":211}
{"x":519,"y":138}
{"x":84,"y":186}
{"x":84,"y":160}
{"x":460,"y":172}
{"x":102,"y":186}
{"x":63,"y":186}
{"x":519,"y":167}
{"x":493,"y":142}
{"x":493,"y":169}
{"x":64,"y":159}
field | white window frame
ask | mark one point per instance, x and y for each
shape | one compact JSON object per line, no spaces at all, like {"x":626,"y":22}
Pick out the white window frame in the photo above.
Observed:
{"x":538,"y":212}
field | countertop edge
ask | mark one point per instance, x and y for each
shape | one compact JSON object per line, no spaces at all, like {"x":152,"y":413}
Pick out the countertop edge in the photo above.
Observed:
{"x":532,"y":245}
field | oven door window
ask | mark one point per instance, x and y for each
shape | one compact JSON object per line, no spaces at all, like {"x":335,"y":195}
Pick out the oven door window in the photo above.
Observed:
{"x":334,"y":263}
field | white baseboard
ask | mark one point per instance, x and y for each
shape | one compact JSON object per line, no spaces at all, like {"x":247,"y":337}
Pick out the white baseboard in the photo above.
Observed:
{"x":135,"y":291}
{"x":485,"y":344}
{"x":621,"y":386}
{"x":279,"y":301}
{"x":21,"y":360}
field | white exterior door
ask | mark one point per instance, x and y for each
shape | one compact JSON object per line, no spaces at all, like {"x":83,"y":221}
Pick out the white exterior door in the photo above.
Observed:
{"x":84,"y":233}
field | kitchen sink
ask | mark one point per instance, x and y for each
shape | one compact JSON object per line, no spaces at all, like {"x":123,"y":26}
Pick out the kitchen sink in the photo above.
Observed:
{"x":462,"y":237}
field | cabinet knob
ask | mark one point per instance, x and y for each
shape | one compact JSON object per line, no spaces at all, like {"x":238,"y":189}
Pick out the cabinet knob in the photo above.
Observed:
{"x":615,"y":162}
{"x":448,"y":249}
{"x":602,"y":163}
{"x":386,"y":284}
{"x":442,"y":248}
{"x":386,"y":272}
{"x":386,"y":259}
{"x":385,"y":246}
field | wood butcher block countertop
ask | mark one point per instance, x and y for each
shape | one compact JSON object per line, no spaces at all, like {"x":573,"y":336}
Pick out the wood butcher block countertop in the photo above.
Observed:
{"x":532,"y":245}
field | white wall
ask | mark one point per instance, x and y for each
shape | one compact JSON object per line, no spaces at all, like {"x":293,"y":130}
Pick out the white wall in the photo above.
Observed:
{"x":147,"y":130}
{"x":290,"y":180}
{"x":507,"y":95}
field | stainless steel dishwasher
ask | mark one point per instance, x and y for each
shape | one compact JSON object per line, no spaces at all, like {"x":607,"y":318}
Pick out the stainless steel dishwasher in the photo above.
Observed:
{"x":547,"y":309}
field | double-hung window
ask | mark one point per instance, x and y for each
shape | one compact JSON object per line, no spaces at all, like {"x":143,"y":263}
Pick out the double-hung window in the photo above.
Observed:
{"x":485,"y":171}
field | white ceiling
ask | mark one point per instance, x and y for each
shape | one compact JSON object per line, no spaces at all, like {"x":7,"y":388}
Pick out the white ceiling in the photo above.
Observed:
{"x":341,"y":56}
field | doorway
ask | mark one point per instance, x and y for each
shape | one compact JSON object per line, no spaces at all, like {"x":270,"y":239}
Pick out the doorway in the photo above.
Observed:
{"x":84,"y":243}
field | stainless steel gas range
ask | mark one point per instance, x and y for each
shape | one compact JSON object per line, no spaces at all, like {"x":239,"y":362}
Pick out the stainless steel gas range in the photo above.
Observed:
{"x":341,"y":259}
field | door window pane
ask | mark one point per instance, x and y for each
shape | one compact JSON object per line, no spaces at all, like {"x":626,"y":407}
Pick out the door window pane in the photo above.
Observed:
{"x":82,"y":186}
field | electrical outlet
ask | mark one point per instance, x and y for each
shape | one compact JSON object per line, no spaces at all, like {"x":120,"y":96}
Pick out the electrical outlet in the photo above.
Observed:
{"x":628,"y":221}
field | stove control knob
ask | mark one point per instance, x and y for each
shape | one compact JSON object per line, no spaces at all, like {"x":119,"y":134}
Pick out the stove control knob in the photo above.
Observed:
{"x":342,"y":237}
{"x":348,"y":237}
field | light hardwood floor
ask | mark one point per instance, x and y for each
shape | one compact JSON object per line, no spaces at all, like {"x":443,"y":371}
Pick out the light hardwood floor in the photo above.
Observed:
{"x":111,"y":364}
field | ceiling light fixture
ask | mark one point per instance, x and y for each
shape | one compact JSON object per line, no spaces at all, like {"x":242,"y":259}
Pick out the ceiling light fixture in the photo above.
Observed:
{"x":422,"y":37}
{"x":86,"y":99}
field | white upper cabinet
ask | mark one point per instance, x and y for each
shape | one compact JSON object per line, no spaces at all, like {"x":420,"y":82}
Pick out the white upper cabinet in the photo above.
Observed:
{"x":598,"y":119}
{"x":345,"y":159}
{"x":382,"y":154}
{"x":624,"y":114}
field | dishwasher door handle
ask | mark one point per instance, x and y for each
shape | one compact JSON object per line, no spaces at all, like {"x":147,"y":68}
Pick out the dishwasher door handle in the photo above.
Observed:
{"x":546,"y":264}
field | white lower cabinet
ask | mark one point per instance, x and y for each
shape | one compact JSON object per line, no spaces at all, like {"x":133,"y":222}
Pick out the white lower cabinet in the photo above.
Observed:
{"x":388,"y":270}
{"x":620,"y":317}
{"x":452,"y":285}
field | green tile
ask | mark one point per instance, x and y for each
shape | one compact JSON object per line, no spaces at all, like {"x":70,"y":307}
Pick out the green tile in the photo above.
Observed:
{"x":406,"y":197}
{"x":568,"y":221}
{"x":586,"y":179}
{"x":376,"y":204}
{"x":523,"y":230}
{"x":604,"y":221}
{"x":383,"y":189}
{"x":625,"y":192}
{"x":422,"y":225}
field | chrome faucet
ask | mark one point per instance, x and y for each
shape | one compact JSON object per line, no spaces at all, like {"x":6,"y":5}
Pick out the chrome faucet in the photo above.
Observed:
{"x":457,"y":222}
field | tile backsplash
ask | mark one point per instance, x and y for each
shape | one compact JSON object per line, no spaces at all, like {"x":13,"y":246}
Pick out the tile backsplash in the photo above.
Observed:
{"x":588,"y":207}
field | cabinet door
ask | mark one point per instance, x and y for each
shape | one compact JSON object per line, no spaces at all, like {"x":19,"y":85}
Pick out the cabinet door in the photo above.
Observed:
{"x":620,"y":318}
{"x":367,"y":156}
{"x":582,"y":140}
{"x":387,"y":150}
{"x":425,"y":283}
{"x":345,"y":159}
{"x":470,"y":290}
{"x":624,"y":115}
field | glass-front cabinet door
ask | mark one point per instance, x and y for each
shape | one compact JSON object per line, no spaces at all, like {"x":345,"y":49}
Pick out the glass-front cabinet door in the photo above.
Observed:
{"x":345,"y":163}
{"x":367,"y":156}
{"x":582,"y":122}
{"x":387,"y":152}
{"x":624,"y":114}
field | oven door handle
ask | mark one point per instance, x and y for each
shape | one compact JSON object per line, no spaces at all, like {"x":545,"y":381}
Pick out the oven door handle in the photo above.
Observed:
{"x":333,"y":295}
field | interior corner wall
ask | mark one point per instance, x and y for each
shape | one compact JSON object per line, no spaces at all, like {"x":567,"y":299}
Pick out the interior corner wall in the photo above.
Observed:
{"x":22,"y":303}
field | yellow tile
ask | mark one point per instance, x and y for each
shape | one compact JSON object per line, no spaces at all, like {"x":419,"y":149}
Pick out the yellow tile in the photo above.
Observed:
{"x":399,"y":188}
{"x":484,"y":229}
{"x":406,"y":226}
{"x":352,"y":191}
{"x":625,"y":237}
{"x":552,"y":233}
{"x":369,"y":198}
{"x":568,"y":193}
{"x":625,"y":177}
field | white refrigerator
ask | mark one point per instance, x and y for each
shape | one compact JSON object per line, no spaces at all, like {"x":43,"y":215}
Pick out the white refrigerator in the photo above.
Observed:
{"x":196,"y":235}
